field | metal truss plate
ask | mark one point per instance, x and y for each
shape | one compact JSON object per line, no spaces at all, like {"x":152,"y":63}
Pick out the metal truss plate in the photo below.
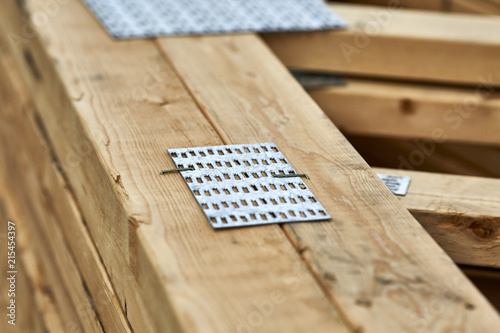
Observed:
{"x":153,"y":18}
{"x":235,"y":187}
{"x":397,"y":184}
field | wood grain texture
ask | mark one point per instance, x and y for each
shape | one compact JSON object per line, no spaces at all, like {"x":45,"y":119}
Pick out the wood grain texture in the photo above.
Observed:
{"x":48,"y":287}
{"x":399,"y":110}
{"x":29,"y":318}
{"x":55,"y":216}
{"x":374,"y":260}
{"x":195,"y":279}
{"x":402,"y":44}
{"x":461,"y":213}
{"x":77,"y":156}
{"x":43,"y":283}
{"x":185,"y":276}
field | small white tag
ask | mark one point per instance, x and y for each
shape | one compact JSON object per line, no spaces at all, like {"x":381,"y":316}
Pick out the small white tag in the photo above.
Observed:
{"x":397,"y":184}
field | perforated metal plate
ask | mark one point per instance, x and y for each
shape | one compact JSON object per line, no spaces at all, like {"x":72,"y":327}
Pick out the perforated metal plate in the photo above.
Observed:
{"x":152,"y":18}
{"x":235,"y":187}
{"x":397,"y":184}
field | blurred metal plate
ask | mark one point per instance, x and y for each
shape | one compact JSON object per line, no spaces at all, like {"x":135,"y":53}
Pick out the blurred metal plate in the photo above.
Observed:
{"x":152,"y":18}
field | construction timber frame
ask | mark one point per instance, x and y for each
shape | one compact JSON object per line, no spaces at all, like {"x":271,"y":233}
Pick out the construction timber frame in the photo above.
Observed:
{"x":108,"y":245}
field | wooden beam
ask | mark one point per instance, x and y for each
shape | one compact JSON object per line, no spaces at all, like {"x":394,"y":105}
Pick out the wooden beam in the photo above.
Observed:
{"x":110,"y":120}
{"x":461,"y":213}
{"x":25,"y":293}
{"x":49,"y":286}
{"x":248,"y":96}
{"x":192,"y":276}
{"x":398,"y":110}
{"x":33,"y":181}
{"x":420,"y":4}
{"x":44,"y":283}
{"x":392,"y":43}
{"x":485,"y":7}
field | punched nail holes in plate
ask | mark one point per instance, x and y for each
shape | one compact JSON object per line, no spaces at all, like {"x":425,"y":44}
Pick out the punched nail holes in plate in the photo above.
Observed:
{"x":235,"y":185}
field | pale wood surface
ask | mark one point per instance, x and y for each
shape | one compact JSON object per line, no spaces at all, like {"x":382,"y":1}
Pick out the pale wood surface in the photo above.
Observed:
{"x":404,"y":44}
{"x":37,"y":274}
{"x":58,"y":312}
{"x":46,"y":285}
{"x":377,"y":266}
{"x":190,"y":277}
{"x":398,"y":110}
{"x":240,"y":87}
{"x":29,"y":318}
{"x":31,"y":172}
{"x":461,"y":213}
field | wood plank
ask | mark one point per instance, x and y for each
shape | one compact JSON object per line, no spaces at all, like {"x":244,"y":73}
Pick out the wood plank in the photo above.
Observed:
{"x":58,"y":312}
{"x":72,"y":48}
{"x":487,"y":281}
{"x":47,"y":285}
{"x":407,"y":45}
{"x":461,"y":213}
{"x":25,"y":305}
{"x":484,"y":7}
{"x":420,"y":4}
{"x":372,"y":244}
{"x":190,"y":277}
{"x":473,"y":271}
{"x":38,"y":185}
{"x":28,"y":318}
{"x":398,"y":110}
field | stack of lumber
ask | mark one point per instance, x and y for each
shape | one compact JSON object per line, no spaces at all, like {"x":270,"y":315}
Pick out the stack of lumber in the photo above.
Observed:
{"x":421,"y":93}
{"x":106,"y":244}
{"x":414,"y":80}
